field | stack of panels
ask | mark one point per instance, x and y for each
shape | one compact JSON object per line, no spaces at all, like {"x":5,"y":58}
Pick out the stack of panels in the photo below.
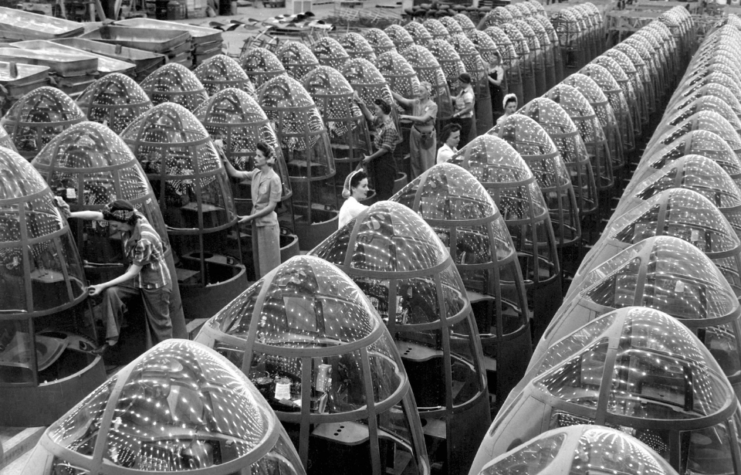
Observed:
{"x":145,"y":62}
{"x":207,"y":42}
{"x":71,"y":73}
{"x":176,"y":45}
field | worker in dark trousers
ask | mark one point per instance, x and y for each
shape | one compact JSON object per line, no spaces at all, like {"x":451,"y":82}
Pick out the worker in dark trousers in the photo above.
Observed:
{"x":147,"y":276}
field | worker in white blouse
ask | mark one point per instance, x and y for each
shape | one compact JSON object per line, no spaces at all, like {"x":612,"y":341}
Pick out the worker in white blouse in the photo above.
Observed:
{"x":354,"y":191}
{"x":450,"y":136}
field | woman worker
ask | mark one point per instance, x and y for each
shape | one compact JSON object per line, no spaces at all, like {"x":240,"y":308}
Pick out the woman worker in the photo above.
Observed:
{"x":422,"y":137}
{"x":266,"y":193}
{"x":381,"y":162}
{"x":147,"y":277}
{"x":355,"y":190}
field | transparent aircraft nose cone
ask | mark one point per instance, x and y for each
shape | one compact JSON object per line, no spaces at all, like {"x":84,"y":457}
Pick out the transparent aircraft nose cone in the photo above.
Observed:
{"x":114,"y":100}
{"x":174,"y":83}
{"x":178,"y":408}
{"x":38,"y":117}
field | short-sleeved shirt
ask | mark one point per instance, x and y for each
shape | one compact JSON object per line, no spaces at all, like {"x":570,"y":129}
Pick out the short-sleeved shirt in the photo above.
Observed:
{"x":386,"y":134}
{"x":462,"y":100}
{"x":144,"y":248}
{"x":445,"y":154}
{"x":419,"y":109}
{"x":350,"y":210}
{"x":266,"y":188}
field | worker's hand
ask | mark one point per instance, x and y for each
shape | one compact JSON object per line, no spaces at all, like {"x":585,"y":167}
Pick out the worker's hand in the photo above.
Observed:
{"x":94,"y":290}
{"x":245,"y":219}
{"x":367,"y":159}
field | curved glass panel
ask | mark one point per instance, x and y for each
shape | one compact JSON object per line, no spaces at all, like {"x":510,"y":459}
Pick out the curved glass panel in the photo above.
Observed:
{"x":260,"y":65}
{"x":185,"y":170}
{"x":179,"y":407}
{"x":38,"y":117}
{"x":36,"y":255}
{"x":297,"y":59}
{"x":114,"y":100}
{"x":329,"y":52}
{"x":379,"y":40}
{"x":401,"y":37}
{"x":222,"y":72}
{"x":357,"y":46}
{"x":175,"y":83}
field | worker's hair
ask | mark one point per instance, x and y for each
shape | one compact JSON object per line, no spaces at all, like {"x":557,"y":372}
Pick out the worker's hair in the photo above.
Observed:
{"x":448,"y":131}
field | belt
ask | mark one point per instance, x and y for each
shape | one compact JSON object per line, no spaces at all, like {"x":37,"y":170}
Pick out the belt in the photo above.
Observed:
{"x":151,"y":286}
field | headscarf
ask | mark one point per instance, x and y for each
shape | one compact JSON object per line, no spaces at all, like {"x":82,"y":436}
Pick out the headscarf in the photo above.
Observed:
{"x":346,"y":191}
{"x":119,"y":210}
{"x":507,"y":97}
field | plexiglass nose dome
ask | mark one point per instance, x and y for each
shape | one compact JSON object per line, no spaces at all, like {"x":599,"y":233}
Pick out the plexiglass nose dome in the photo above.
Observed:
{"x":428,"y":69}
{"x":704,"y":120}
{"x":418,"y":32}
{"x":297,"y":59}
{"x":485,"y":46}
{"x":668,"y":274}
{"x":450,"y":24}
{"x":590,"y":129}
{"x":114,"y":100}
{"x":404,"y":269}
{"x":497,"y":17}
{"x":400,"y":75}
{"x":465,"y":22}
{"x":637,"y":87}
{"x":644,"y":73}
{"x":178,"y":408}
{"x":696,"y":142}
{"x":534,"y":145}
{"x":38,"y":117}
{"x":449,"y":60}
{"x":579,"y":449}
{"x":169,"y":142}
{"x":605,"y":113}
{"x":628,"y":92}
{"x":565,"y":136}
{"x":234,"y":117}
{"x":306,"y":147}
{"x":712,"y":90}
{"x":222,"y":72}
{"x":678,"y":212}
{"x":369,"y":83}
{"x":357,"y":46}
{"x":547,"y":50}
{"x":347,"y":128}
{"x":400,"y":37}
{"x":41,"y":283}
{"x":511,"y":184}
{"x":721,"y":79}
{"x":570,"y":36}
{"x":329,"y":52}
{"x":173,"y":82}
{"x":694,"y":172}
{"x":379,"y":40}
{"x":536,"y":56}
{"x":526,"y":61}
{"x":436,"y":29}
{"x":89,"y":166}
{"x":320,"y":355}
{"x":637,"y":370}
{"x":260,"y":65}
{"x":703,"y":103}
{"x":465,"y":218}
